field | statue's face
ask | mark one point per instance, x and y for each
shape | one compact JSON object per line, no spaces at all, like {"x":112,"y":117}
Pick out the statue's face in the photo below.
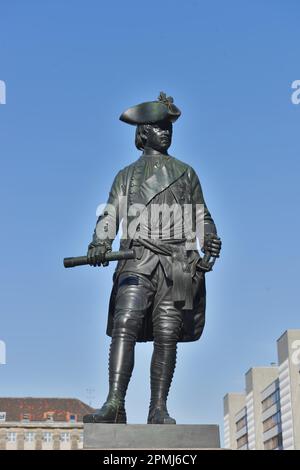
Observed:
{"x":159,"y":137}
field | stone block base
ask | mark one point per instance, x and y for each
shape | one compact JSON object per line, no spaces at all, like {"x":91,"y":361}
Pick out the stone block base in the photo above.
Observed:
{"x":151,"y":436}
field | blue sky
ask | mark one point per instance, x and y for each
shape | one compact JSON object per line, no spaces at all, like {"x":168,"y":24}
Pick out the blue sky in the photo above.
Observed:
{"x":71,"y":68}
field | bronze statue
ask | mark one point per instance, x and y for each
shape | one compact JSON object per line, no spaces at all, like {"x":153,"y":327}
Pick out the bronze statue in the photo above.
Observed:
{"x":159,"y":295}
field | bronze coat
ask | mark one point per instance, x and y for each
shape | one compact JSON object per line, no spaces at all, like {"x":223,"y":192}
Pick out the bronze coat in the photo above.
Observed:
{"x":186,"y":188}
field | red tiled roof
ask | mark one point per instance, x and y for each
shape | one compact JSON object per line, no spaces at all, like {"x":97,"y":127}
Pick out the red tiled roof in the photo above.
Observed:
{"x":38,"y":408}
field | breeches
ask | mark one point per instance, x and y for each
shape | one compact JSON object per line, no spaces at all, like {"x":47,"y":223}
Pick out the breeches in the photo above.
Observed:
{"x":139,"y":295}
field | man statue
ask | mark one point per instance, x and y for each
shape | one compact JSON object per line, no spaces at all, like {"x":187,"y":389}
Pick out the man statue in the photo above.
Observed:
{"x":159,"y":295}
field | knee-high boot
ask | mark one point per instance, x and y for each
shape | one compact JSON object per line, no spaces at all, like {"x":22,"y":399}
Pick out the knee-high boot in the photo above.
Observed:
{"x":121,"y":362}
{"x":162,"y":369}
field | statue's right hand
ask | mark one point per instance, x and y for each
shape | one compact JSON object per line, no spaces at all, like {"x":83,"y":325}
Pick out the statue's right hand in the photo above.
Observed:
{"x":96,"y":255}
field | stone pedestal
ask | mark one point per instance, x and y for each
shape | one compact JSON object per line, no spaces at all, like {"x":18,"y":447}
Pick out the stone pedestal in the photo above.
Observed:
{"x":151,"y":436}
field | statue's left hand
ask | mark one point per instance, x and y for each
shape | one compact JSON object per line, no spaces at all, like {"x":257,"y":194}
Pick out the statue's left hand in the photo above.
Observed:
{"x":212,"y":245}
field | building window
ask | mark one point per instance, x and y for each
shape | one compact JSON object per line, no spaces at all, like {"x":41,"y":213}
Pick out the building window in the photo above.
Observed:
{"x":65,"y":437}
{"x":73,"y":418}
{"x":47,"y":436}
{"x":50,"y":417}
{"x":12,"y":436}
{"x":242,"y":441}
{"x":29,"y":436}
{"x":241,"y":423}
{"x":274,"y":443}
{"x":81,"y":436}
{"x":272,"y":421}
{"x":270,"y":400}
{"x":26,"y":418}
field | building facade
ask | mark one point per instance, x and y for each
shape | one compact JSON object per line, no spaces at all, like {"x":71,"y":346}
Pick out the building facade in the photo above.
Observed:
{"x":42,"y":423}
{"x":267,"y":415}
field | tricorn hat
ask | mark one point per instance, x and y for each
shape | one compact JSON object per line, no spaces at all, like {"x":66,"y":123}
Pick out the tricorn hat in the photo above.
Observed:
{"x":152,"y":112}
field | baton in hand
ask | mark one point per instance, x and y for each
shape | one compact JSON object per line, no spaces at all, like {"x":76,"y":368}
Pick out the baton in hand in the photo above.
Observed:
{"x":110,"y":256}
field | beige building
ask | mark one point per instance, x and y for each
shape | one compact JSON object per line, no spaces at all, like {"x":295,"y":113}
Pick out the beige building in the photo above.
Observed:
{"x":267,"y":415}
{"x":42,"y":423}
